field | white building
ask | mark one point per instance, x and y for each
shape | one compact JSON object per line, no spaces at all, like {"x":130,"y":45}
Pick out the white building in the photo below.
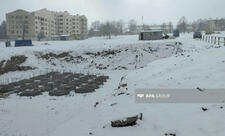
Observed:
{"x":49,"y":23}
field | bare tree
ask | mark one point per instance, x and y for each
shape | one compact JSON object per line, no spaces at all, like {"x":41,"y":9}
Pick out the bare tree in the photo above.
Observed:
{"x":200,"y":25}
{"x":132,"y":25}
{"x":120,"y":26}
{"x":163,"y":27}
{"x":24,"y":24}
{"x":3,"y":34}
{"x":96,"y":25}
{"x":107,"y":28}
{"x":182,"y":25}
{"x":24,"y":30}
{"x":41,"y":35}
{"x":95,"y":29}
{"x":170,"y":27}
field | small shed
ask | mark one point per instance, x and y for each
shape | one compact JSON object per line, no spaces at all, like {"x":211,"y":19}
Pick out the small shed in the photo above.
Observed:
{"x":151,"y":35}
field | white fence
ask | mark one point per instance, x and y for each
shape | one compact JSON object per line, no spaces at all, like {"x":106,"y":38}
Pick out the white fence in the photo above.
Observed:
{"x":213,"y":39}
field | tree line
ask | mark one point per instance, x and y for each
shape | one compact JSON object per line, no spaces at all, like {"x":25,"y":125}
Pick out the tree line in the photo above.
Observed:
{"x":201,"y":25}
{"x":3,"y":34}
{"x":110,"y":28}
{"x":119,"y":27}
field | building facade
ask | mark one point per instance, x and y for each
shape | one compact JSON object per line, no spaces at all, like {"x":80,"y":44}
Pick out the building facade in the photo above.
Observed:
{"x":21,"y":23}
{"x":165,"y":28}
{"x":216,"y":25}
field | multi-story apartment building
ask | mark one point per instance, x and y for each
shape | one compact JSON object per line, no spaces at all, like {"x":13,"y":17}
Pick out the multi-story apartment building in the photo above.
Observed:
{"x":30,"y":24}
{"x":19,"y":23}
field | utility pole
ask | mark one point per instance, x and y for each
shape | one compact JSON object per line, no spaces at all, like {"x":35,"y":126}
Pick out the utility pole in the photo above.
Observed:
{"x":142,"y":23}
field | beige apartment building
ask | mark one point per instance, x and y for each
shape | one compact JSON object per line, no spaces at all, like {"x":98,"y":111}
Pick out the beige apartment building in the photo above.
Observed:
{"x":45,"y":22}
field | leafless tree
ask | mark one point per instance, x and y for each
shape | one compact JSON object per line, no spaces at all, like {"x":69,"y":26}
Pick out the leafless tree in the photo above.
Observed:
{"x":163,"y":27}
{"x":41,"y":35}
{"x":132,"y":25}
{"x":170,"y":27}
{"x":3,"y":34}
{"x":182,"y":24}
{"x":107,"y":28}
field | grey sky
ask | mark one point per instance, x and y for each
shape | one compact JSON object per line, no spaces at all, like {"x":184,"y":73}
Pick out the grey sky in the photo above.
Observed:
{"x":154,"y":11}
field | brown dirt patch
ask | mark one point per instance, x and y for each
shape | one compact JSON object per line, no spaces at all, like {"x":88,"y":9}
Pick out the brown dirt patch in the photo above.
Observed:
{"x":13,"y":65}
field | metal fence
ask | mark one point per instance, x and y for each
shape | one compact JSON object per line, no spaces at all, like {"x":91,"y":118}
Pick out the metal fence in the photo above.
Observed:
{"x":213,"y":39}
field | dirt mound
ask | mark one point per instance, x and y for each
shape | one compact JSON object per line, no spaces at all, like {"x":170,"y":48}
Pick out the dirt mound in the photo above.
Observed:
{"x":104,"y":53}
{"x":56,"y":84}
{"x":13,"y":64}
{"x":53,"y":55}
{"x":64,"y":56}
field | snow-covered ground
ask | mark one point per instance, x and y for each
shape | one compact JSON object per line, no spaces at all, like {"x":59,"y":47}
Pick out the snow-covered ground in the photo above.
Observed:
{"x":199,"y":65}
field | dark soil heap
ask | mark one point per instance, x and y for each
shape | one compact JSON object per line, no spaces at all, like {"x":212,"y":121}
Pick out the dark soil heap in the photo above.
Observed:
{"x":13,"y":65}
{"x":56,"y":84}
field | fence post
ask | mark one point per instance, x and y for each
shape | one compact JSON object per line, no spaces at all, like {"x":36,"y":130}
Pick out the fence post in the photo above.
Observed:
{"x":215,"y":41}
{"x":212,"y":39}
{"x":224,"y":41}
{"x":218,"y":40}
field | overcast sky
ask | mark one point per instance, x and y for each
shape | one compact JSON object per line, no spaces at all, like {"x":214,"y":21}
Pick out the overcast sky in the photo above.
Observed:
{"x":154,"y":11}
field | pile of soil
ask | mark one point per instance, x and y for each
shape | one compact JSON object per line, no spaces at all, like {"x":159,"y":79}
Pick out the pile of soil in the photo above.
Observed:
{"x":53,"y":55}
{"x":104,"y":53}
{"x":64,"y":56}
{"x":56,"y":84}
{"x":13,"y":65}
